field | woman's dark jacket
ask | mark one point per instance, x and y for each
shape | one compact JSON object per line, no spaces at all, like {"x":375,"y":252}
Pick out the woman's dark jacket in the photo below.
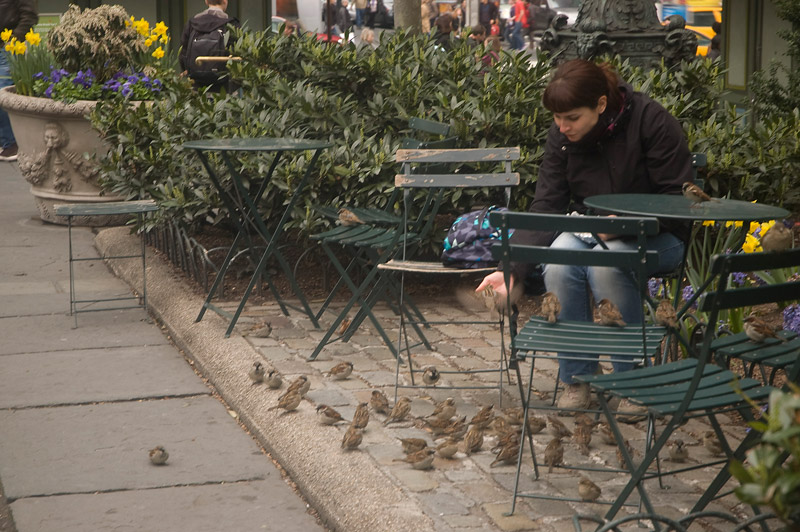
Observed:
{"x":640,"y":148}
{"x":19,"y":16}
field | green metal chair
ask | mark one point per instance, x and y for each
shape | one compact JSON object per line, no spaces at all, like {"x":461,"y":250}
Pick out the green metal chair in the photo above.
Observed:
{"x":421,"y":172}
{"x":540,"y":339}
{"x":697,"y":387}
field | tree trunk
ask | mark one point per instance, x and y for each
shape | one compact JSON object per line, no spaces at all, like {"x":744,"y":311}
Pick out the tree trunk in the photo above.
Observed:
{"x":407,"y":15}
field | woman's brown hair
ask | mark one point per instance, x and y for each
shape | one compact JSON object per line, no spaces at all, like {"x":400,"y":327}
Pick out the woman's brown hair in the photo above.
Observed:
{"x":581,"y":83}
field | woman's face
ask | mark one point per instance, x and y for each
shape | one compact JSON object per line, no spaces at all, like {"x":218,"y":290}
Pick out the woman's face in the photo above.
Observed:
{"x":576,"y":123}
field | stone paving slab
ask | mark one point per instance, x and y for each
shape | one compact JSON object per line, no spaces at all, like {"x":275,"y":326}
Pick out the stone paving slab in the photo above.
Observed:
{"x":95,"y":330}
{"x":104,"y":447}
{"x":94,"y":375}
{"x":214,"y":507}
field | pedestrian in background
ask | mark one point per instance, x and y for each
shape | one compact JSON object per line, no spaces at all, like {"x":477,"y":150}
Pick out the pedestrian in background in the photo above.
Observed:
{"x":19,"y":16}
{"x":426,"y":15}
{"x":361,"y":12}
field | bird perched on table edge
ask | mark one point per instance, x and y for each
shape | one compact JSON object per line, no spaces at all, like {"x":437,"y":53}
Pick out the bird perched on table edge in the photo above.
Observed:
{"x":379,"y":402}
{"x":777,"y":238}
{"x":328,"y":415}
{"x":158,"y":455}
{"x":609,"y":314}
{"x":399,"y":411}
{"x":348,"y":217}
{"x":431,"y":375}
{"x":361,"y":416}
{"x":758,"y":330}
{"x":666,"y":315}
{"x":341,"y":371}
{"x":695,"y":194}
{"x":257,"y":372}
{"x":551,"y":307}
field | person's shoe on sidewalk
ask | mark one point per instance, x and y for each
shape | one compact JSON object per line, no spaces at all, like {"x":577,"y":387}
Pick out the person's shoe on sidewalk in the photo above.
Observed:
{"x":629,"y":412}
{"x":575,"y":397}
{"x":9,"y":153}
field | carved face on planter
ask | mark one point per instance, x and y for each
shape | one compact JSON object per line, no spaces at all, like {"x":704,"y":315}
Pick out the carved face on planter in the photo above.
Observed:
{"x":55,"y":136}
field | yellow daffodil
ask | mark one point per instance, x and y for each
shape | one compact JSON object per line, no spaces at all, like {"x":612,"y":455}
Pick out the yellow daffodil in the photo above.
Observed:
{"x":33,"y":38}
{"x":766,"y":226}
{"x":148,"y":41}
{"x":753,"y":227}
{"x":708,"y":223}
{"x":19,"y":48}
{"x":164,"y":39}
{"x":143,"y":27}
{"x":160,"y":29}
{"x":5,"y":35}
{"x":734,"y":224}
{"x":158,"y":53}
{"x":751,"y":244}
{"x":9,"y":47}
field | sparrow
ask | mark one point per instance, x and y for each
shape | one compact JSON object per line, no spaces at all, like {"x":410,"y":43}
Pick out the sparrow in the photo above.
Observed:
{"x":436,"y":426}
{"x":352,"y":438}
{"x":456,"y":429}
{"x":551,"y":306}
{"x":328,"y":416}
{"x":361,"y":416}
{"x":777,"y":238}
{"x":507,"y":454}
{"x":158,"y":455}
{"x":582,"y":436}
{"x":256,"y":372}
{"x":341,"y":371}
{"x":514,"y":415}
{"x":344,"y":326}
{"x":606,"y":436}
{"x":609,"y":314}
{"x":261,"y":331}
{"x":557,"y":428}
{"x":288,"y":401}
{"x":379,"y":402}
{"x":536,"y":424}
{"x":274,"y":380}
{"x":694,"y":193}
{"x":444,"y":410}
{"x":483,"y":417}
{"x":447,"y":449}
{"x":422,"y":459}
{"x":509,"y":438}
{"x":553,"y":454}
{"x":583,"y":419}
{"x":621,"y":459}
{"x":757,"y":329}
{"x":473,"y":441}
{"x":491,"y":300}
{"x":301,"y":384}
{"x":677,"y":450}
{"x":666,"y":315}
{"x":400,"y":411}
{"x":348,"y":217}
{"x":712,"y":443}
{"x":500,"y":425}
{"x":412,"y":445}
{"x":588,"y":490}
{"x":431,"y":375}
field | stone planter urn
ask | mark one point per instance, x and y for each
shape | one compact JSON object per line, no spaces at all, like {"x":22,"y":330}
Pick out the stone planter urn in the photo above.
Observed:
{"x":56,"y":142}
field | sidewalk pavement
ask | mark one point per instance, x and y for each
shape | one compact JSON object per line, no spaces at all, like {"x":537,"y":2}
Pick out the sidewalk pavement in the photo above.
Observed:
{"x":80,"y":408}
{"x":363,"y":490}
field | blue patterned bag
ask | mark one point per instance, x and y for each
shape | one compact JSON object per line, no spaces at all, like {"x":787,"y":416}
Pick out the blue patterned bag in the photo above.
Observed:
{"x":469,"y":241}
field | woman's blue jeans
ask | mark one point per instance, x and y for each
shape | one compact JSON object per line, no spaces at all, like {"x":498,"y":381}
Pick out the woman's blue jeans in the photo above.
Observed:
{"x":574,"y":284}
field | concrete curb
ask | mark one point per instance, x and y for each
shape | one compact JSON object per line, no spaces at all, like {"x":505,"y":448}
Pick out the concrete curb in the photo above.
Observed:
{"x":349,"y":490}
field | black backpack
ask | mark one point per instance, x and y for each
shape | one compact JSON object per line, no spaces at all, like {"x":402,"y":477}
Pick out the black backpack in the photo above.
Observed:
{"x":207,"y":43}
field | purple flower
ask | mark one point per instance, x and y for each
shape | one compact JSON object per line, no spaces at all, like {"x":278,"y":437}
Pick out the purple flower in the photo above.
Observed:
{"x":48,"y":92}
{"x":687,"y":293}
{"x":653,"y":286}
{"x":791,"y":318}
{"x":739,"y":278}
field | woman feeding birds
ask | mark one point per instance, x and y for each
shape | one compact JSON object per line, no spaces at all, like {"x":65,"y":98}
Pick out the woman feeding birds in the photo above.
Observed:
{"x":606,"y":139}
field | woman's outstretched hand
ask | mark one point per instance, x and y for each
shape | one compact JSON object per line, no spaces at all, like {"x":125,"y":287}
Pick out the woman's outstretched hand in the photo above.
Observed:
{"x":497,"y":281}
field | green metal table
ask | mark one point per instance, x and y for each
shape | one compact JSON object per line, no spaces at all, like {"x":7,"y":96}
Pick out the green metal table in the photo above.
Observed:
{"x":242,"y":203}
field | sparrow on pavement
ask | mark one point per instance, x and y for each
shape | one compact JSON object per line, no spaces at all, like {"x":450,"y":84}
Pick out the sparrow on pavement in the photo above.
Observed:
{"x":379,"y":402}
{"x":509,"y":438}
{"x":473,"y":440}
{"x":352,"y":438}
{"x":431,"y":375}
{"x":609,"y":314}
{"x":328,"y":416}
{"x":361,"y":416}
{"x":341,"y":371}
{"x":400,"y":411}
{"x":158,"y":455}
{"x":583,"y":419}
{"x":557,"y":428}
{"x":344,"y":326}
{"x":447,"y":449}
{"x":712,"y":443}
{"x":422,"y":459}
{"x":436,"y":426}
{"x":666,"y":315}
{"x":606,"y":436}
{"x":507,"y":454}
{"x":412,"y":445}
{"x":288,"y":401}
{"x":301,"y":385}
{"x":553,"y":454}
{"x":274,"y":380}
{"x":256,"y":372}
{"x":456,"y":429}
{"x":348,"y":217}
{"x":694,"y":193}
{"x":588,"y":490}
{"x":261,"y":331}
{"x":582,"y":436}
{"x":621,"y":458}
{"x":536,"y":424}
{"x":677,"y":450}
{"x":551,"y":307}
{"x":483,"y":417}
{"x":514,"y":415}
{"x":758,"y":330}
{"x":777,"y":238}
{"x":444,"y":410}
